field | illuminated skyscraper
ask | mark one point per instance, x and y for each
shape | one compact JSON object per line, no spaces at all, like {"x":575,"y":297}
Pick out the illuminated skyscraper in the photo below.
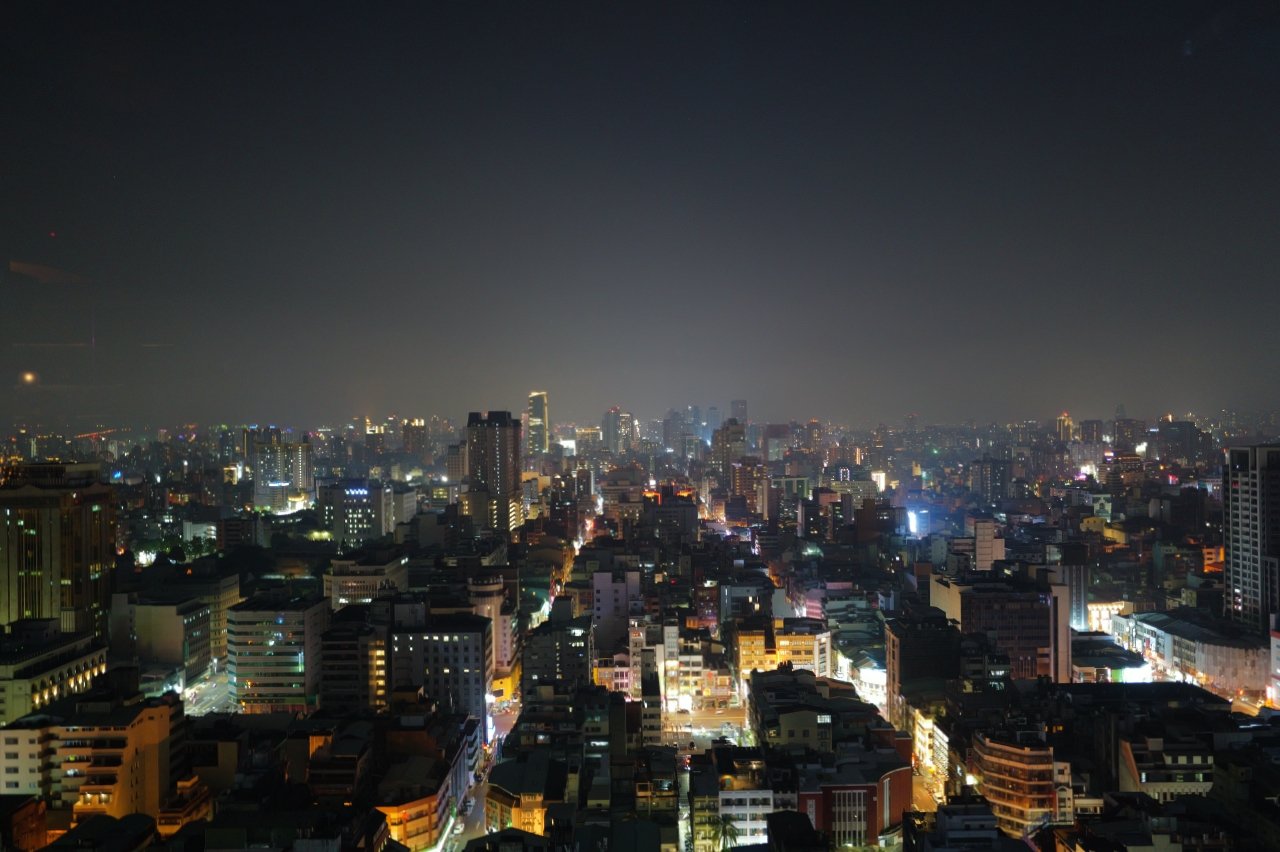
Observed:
{"x":813,"y":436}
{"x":413,"y":434}
{"x":1251,"y":522}
{"x":1064,"y":427}
{"x":738,"y":410}
{"x":494,"y":499}
{"x":538,"y":435}
{"x":282,"y":471}
{"x":57,"y":546}
{"x":617,"y":429}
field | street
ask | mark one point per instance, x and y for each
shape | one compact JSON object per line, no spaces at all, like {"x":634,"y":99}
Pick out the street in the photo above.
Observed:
{"x":474,"y":826}
{"x":210,"y":696}
{"x":707,"y":725}
{"x":921,"y":798}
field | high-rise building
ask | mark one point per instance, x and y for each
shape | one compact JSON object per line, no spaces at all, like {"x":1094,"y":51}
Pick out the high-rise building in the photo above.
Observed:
{"x":1027,"y":618}
{"x":455,"y":462}
{"x":775,"y":442}
{"x":274,"y":652}
{"x":538,"y":436}
{"x":1064,"y":427}
{"x":558,"y":651}
{"x":617,"y":430}
{"x":415,"y":440}
{"x":991,"y":479}
{"x":813,"y":436}
{"x":713,"y":418}
{"x":1251,"y":535}
{"x":282,"y":473}
{"x":57,"y":546}
{"x":920,"y":643}
{"x":357,"y":510}
{"x":1129,"y":433}
{"x":749,"y":478}
{"x":1091,"y":431}
{"x":451,"y":655}
{"x":494,"y":499}
{"x":728,"y":445}
{"x":738,"y":410}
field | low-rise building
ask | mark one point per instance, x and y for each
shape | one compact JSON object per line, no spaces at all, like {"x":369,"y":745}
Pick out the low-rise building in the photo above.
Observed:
{"x":358,"y":577}
{"x":99,"y":753}
{"x":40,"y":664}
{"x":415,"y":795}
{"x":520,"y":791}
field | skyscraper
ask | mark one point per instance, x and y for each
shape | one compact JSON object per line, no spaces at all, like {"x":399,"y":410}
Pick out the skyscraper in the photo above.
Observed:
{"x":57,"y":546}
{"x":538,"y":437}
{"x":728,"y":444}
{"x":493,"y":498}
{"x":1064,"y":427}
{"x":281,"y":471}
{"x":617,"y":430}
{"x":413,"y":435}
{"x":738,"y":410}
{"x":1129,"y":433}
{"x":713,"y":418}
{"x":1251,"y":513}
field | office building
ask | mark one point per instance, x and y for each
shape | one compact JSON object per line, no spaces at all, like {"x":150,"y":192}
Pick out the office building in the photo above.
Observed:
{"x":353,"y":670}
{"x":357,"y":511}
{"x":219,"y":592}
{"x":775,"y":441}
{"x":538,"y":432}
{"x":738,"y":410}
{"x":1027,"y":617}
{"x":1251,"y":534}
{"x":1091,"y":431}
{"x":167,"y":626}
{"x":57,"y":546}
{"x":358,"y":577}
{"x":494,"y":499}
{"x":450,"y":655}
{"x":274,"y":652}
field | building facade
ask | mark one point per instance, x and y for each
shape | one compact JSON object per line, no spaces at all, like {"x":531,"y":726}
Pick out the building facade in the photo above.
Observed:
{"x":274,"y":653}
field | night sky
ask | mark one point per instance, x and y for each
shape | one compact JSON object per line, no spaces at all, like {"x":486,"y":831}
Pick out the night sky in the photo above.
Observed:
{"x":300,"y":213}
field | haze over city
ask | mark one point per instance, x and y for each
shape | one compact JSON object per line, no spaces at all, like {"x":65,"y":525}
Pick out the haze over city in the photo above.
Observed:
{"x":304,"y":214}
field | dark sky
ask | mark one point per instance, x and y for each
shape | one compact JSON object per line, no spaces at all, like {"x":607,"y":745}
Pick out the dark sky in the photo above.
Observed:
{"x":305,"y":212}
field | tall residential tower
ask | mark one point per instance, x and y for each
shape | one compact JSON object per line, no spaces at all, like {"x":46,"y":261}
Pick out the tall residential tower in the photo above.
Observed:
{"x":494,"y":499}
{"x":1251,"y":534}
{"x":537,"y":439}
